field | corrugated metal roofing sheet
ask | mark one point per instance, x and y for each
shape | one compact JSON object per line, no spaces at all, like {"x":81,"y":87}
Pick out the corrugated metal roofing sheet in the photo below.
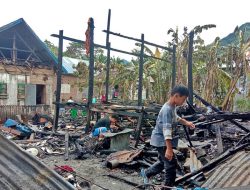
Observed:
{"x":68,"y":63}
{"x":30,"y":38}
{"x":235,"y":172}
{"x":21,"y":171}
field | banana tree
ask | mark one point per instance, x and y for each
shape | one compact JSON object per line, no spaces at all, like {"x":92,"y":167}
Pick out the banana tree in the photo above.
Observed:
{"x":240,"y":68}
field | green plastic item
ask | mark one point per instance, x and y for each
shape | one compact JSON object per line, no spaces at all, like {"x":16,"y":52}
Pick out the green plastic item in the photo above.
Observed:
{"x":84,"y":113}
{"x":73,"y":113}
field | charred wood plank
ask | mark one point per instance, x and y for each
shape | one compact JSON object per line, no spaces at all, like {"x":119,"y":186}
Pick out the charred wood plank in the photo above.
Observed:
{"x":219,"y":111}
{"x":59,"y":134}
{"x":122,"y":179}
{"x":209,"y":122}
{"x":123,"y":113}
{"x":144,"y":162}
{"x":229,"y":116}
{"x":243,"y":138}
{"x":150,"y":153}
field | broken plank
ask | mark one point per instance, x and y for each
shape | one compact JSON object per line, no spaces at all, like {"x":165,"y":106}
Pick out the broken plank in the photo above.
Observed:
{"x":229,"y":116}
{"x":124,"y":113}
{"x":219,"y":139}
{"x":27,"y":141}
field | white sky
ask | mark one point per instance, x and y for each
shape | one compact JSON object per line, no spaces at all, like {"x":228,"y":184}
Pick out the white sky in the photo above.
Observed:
{"x":128,"y":17}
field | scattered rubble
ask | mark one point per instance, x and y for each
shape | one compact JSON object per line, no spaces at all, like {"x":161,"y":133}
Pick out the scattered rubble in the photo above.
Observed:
{"x":218,"y":136}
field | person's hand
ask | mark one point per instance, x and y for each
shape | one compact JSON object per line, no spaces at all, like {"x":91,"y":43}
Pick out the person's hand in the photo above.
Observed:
{"x":169,"y":154}
{"x":201,"y":118}
{"x":190,"y":125}
{"x":114,"y":127}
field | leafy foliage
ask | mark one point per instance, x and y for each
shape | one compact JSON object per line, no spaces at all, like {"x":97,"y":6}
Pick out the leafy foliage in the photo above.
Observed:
{"x":52,"y":47}
{"x":217,"y":68}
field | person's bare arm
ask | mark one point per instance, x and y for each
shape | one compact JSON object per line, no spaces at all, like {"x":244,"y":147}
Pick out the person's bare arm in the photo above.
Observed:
{"x":187,"y":123}
{"x":169,"y":151}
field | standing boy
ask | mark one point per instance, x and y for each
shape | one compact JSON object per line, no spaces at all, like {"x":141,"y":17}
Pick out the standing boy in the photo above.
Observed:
{"x":162,"y":136}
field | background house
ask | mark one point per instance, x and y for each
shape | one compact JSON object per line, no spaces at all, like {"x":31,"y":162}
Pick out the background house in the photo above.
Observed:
{"x":28,"y":68}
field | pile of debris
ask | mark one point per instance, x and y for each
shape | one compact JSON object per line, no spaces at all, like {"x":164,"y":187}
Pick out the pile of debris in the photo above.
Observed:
{"x":199,"y":152}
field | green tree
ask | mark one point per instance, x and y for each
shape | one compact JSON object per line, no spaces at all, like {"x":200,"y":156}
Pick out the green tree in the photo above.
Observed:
{"x":52,"y":47}
{"x":75,"y":50}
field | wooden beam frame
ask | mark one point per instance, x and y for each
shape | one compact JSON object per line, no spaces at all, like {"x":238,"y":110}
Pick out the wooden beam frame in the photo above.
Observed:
{"x":27,"y":45}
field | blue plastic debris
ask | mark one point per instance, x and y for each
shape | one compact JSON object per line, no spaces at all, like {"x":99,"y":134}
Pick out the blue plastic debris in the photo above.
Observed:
{"x":10,"y":123}
{"x":25,"y":131}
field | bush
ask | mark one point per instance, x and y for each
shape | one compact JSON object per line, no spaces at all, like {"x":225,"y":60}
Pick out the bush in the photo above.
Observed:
{"x":243,"y":104}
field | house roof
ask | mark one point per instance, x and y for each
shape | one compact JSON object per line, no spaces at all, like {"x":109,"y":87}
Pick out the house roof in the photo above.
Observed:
{"x":29,"y":47}
{"x":69,"y":64}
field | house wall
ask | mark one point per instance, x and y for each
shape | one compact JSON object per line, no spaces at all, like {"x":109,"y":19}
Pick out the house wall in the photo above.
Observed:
{"x":12,"y":89}
{"x":11,"y":80}
{"x":44,"y":77}
{"x":69,"y":88}
{"x":14,"y":75}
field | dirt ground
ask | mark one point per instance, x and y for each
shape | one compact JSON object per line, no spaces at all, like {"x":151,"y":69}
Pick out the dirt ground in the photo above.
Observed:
{"x":93,"y":170}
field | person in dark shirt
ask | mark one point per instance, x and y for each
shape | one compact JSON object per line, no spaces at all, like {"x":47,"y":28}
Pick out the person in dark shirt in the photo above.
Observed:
{"x":104,"y":125}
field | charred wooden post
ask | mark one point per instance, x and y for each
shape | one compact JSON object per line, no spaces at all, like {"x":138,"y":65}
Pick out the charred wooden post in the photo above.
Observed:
{"x":108,"y":56}
{"x":188,"y":137}
{"x":91,"y":71}
{"x":139,"y":128}
{"x":190,"y":67}
{"x":141,"y":72}
{"x":107,"y":72}
{"x":174,"y":66}
{"x":66,"y":156}
{"x":58,"y":81}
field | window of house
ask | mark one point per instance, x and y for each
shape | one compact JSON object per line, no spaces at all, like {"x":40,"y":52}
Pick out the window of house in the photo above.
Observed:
{"x":3,"y":90}
{"x":21,"y":90}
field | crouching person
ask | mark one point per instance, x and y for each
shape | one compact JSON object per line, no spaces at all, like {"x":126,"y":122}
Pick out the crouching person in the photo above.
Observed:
{"x":162,"y":135}
{"x":104,"y":125}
